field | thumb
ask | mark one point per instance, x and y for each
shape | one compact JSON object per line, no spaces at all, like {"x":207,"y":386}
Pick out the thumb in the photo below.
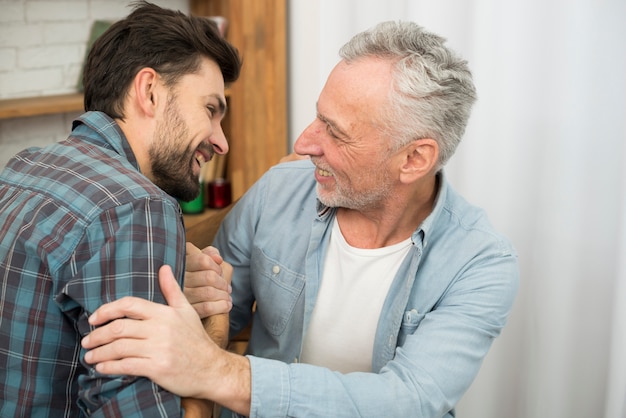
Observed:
{"x":191,"y":249}
{"x":170,"y":288}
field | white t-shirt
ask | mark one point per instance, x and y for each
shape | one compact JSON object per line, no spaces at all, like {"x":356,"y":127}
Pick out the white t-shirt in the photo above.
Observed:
{"x":355,"y":283}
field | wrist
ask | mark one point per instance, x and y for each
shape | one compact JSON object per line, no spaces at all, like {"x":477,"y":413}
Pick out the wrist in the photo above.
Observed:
{"x":229,"y":381}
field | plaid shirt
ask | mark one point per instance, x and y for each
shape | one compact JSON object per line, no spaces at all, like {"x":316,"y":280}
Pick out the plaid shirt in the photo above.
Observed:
{"x":80,"y":226}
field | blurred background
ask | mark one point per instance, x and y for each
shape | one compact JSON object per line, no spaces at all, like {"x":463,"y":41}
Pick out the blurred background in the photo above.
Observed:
{"x":544,"y":154}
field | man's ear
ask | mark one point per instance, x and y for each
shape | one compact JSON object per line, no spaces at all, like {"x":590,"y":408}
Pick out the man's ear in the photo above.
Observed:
{"x":419,"y":158}
{"x":145,"y":91}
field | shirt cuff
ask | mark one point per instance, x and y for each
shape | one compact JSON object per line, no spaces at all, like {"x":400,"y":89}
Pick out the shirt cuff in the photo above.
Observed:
{"x":270,"y":387}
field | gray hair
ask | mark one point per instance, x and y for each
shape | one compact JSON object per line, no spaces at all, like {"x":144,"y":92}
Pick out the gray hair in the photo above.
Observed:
{"x":432,"y":92}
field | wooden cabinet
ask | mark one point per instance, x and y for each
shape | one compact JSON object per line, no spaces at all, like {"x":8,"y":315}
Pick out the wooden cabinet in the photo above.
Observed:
{"x":256,"y":122}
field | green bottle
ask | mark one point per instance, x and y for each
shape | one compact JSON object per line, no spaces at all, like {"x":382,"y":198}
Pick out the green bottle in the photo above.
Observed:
{"x":196,"y":205}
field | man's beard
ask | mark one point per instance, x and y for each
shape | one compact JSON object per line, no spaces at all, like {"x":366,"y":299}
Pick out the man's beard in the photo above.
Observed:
{"x":172,"y":168}
{"x":347,"y":197}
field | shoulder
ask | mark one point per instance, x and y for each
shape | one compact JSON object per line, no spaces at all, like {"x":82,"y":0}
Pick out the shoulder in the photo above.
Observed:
{"x":288,"y":181}
{"x":286,"y":192}
{"x":298,"y":168}
{"x":464,"y":252}
{"x":82,"y":176}
{"x":465,"y":220}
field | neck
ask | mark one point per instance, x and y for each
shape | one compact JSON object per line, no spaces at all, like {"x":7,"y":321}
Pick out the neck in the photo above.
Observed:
{"x":137,"y":143}
{"x":395,"y":221}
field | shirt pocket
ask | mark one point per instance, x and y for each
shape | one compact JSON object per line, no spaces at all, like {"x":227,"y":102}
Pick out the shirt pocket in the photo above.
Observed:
{"x":277,"y":289}
{"x":410,"y":321}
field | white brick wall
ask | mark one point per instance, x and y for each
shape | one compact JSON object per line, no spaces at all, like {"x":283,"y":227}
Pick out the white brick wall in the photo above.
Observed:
{"x":42,"y":47}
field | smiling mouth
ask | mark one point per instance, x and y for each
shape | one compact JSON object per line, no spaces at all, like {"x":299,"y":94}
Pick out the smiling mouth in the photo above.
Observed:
{"x":324,"y":173}
{"x":200,"y":158}
{"x":204,"y":153}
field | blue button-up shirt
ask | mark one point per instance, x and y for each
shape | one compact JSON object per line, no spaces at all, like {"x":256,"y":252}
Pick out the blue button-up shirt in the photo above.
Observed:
{"x":81,"y":226}
{"x":447,"y":303}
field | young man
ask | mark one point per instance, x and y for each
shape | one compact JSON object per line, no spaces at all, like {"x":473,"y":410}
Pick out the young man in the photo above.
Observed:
{"x":93,"y":218}
{"x":378,"y":289}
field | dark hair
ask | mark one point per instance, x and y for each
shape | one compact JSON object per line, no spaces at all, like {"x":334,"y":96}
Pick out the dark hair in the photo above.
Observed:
{"x":167,"y":41}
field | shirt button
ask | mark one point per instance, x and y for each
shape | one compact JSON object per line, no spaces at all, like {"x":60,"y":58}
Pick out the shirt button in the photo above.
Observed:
{"x":276,"y":269}
{"x":295,"y":360}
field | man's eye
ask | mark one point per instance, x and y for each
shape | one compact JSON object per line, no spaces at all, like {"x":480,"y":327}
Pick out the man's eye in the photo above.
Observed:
{"x":329,"y":131}
{"x":211,"y":110}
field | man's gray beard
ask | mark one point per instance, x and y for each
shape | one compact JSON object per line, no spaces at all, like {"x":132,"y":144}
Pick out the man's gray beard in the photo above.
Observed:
{"x":360,"y":203}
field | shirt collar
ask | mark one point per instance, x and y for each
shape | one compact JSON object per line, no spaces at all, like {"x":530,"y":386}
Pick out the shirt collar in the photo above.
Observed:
{"x":110,"y":134}
{"x":423,"y":231}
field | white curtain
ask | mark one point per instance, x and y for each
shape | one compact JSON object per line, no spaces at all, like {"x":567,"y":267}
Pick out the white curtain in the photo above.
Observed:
{"x":544,"y":154}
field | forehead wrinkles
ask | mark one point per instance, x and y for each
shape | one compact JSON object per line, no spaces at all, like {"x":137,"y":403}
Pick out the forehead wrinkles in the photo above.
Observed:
{"x":348,"y":117}
{"x":356,"y":94}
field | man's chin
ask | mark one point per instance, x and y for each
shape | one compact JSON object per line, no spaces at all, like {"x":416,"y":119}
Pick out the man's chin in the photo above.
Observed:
{"x":181,"y":191}
{"x":326,"y":198}
{"x":187,"y":195}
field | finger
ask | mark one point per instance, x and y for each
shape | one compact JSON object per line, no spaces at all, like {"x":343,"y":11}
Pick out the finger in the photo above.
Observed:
{"x":227,"y":273}
{"x":128,"y":306}
{"x":103,"y":350}
{"x":117,"y":329}
{"x":206,"y":278}
{"x":210,"y":300}
{"x":214,"y":253}
{"x":200,"y":261}
{"x":127,"y":366}
{"x":206,"y":294}
{"x":150,"y":367}
{"x":193,"y":257}
{"x":207,"y":309}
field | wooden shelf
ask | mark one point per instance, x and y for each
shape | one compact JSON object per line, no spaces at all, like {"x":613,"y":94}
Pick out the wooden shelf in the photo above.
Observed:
{"x":42,"y":105}
{"x":45,"y":105}
{"x":202,"y":227}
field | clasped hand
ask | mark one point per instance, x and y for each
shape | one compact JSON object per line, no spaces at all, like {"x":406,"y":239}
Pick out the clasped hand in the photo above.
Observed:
{"x":160,"y":342}
{"x":207,"y":281}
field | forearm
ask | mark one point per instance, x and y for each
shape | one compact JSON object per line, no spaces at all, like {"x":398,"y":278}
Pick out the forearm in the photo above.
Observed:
{"x":227,"y":381}
{"x":197,"y":408}
{"x":217,"y":327}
